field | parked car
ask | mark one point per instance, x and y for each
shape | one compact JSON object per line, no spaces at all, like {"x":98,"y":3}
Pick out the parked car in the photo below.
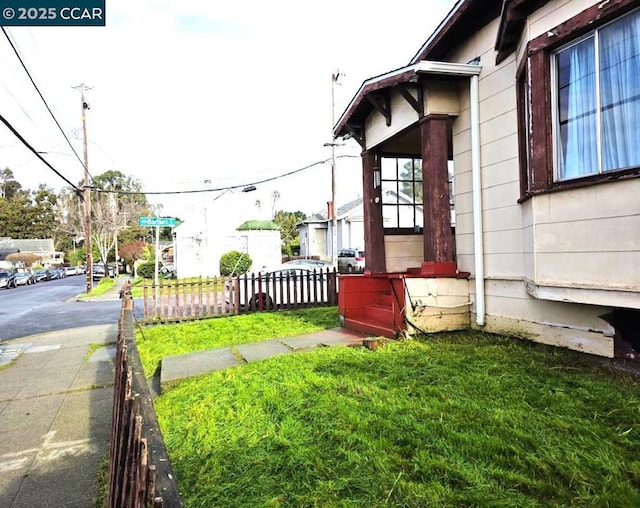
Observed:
{"x":4,"y":279}
{"x":98,"y":272}
{"x":309,"y":264}
{"x":22,"y":279}
{"x":288,"y":286}
{"x":57,"y":273}
{"x":168,"y":271}
{"x":350,"y":260}
{"x":71,"y":270}
{"x":42,"y":275}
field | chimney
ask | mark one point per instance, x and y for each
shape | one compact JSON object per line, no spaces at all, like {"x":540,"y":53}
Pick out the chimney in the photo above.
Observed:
{"x":329,"y":209}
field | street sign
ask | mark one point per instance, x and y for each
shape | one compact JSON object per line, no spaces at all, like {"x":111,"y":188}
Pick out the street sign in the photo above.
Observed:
{"x":162,"y":222}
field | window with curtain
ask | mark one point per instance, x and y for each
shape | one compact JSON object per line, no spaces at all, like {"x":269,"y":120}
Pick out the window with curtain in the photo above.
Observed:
{"x":597,"y":101}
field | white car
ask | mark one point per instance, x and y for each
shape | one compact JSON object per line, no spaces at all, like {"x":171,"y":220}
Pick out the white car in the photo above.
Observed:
{"x":287,"y":287}
{"x":310,"y":264}
{"x":71,"y":270}
{"x":4,"y":279}
{"x":351,"y":260}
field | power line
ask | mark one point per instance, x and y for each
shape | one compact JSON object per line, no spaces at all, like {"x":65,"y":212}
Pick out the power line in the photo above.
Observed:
{"x":42,"y":97}
{"x":35,"y":152}
{"x":230,"y":187}
{"x":192,"y":191}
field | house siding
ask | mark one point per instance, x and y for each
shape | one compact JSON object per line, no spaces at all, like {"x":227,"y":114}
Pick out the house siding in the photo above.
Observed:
{"x":403,"y":116}
{"x":555,"y":262}
{"x":587,"y":238}
{"x":403,"y":251}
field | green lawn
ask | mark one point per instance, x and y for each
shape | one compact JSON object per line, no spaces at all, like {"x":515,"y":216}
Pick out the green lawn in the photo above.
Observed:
{"x":461,"y":419}
{"x":101,"y":288}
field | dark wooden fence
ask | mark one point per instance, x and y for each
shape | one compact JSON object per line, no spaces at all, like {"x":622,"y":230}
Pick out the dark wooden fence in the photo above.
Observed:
{"x":278,"y":290}
{"x":140,"y":473}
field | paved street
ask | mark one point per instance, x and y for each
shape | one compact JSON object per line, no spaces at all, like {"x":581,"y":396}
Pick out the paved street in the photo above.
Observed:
{"x":49,"y":306}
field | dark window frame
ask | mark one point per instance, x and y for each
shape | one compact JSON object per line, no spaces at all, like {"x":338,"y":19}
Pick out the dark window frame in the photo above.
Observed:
{"x":536,"y":139}
{"x":416,"y":229}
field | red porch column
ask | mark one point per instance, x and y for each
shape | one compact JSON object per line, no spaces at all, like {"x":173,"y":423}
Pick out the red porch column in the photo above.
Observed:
{"x":375,"y":260}
{"x":438,"y":238}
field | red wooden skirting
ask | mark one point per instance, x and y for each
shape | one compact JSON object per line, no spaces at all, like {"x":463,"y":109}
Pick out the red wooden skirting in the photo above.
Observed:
{"x":140,"y":473}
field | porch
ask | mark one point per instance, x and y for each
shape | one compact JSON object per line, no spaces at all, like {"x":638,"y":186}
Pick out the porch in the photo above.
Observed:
{"x":399,"y":304}
{"x":404,"y":122}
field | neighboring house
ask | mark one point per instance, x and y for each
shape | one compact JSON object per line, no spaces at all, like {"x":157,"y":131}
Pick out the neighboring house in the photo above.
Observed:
{"x":44,"y":249}
{"x":198,"y":255}
{"x":536,"y":105}
{"x":315,"y":233}
{"x":167,"y":254}
{"x":262,"y":241}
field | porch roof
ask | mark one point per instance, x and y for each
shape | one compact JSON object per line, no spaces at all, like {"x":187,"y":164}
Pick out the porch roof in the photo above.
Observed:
{"x":360,"y":106}
{"x":465,"y":18}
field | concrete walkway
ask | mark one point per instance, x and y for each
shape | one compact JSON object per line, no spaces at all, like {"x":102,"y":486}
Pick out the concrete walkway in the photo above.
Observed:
{"x":174,"y":368}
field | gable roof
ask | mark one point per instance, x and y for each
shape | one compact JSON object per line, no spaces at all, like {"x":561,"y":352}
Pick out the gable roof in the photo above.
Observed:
{"x":513,"y":18}
{"x":344,"y":210}
{"x":465,"y":18}
{"x":341,"y":211}
{"x":258,"y":225}
{"x":28,"y":245}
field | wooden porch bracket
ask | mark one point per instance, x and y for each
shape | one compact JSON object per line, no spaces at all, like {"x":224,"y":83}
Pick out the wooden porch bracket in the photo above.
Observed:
{"x":416,"y":103}
{"x":357,"y":133}
{"x":382,"y":104}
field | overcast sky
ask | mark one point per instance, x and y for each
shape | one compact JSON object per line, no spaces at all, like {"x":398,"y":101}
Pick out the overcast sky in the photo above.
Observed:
{"x":187,"y":91}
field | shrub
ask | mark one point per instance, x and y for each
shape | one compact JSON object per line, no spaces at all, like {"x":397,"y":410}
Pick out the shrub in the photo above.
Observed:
{"x":234,"y":263}
{"x":146,"y":269}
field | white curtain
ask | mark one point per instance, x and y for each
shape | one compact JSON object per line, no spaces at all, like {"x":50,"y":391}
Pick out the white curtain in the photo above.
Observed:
{"x":578,"y":110}
{"x":620,"y":93}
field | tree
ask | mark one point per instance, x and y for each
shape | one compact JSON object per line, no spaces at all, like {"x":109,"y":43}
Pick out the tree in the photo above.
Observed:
{"x":131,"y":252}
{"x":288,"y":222}
{"x":42,"y":214}
{"x":9,"y":187}
{"x":23,"y":259}
{"x":115,"y":207}
{"x":26,"y":214}
{"x":13,"y":212}
{"x":412,"y":172}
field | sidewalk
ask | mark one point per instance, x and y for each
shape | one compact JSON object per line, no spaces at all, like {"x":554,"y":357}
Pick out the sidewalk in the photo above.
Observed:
{"x":56,"y":398}
{"x":111,"y":294}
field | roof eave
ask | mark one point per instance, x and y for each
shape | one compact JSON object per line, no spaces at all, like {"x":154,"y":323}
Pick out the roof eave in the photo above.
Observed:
{"x":398,"y":76}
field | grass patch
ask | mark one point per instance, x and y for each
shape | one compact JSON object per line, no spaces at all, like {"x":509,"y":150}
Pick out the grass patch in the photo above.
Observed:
{"x":156,"y":342}
{"x":101,"y":288}
{"x":465,"y":419}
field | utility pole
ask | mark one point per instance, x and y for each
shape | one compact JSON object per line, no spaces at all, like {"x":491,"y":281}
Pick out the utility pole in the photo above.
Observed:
{"x":334,"y":219}
{"x":87,"y":191}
